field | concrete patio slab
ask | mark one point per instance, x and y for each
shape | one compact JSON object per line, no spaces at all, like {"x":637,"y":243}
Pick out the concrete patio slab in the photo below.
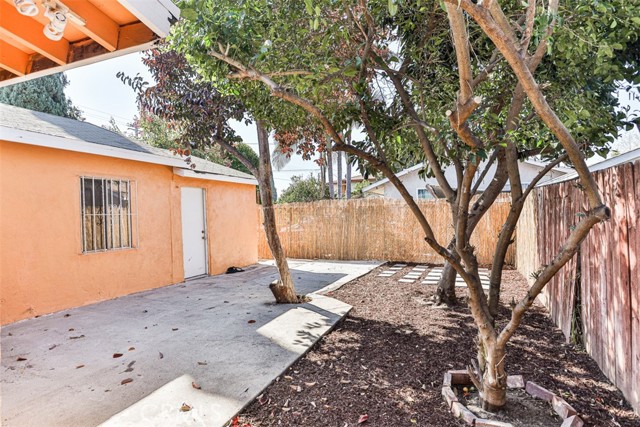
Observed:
{"x":212,"y":343}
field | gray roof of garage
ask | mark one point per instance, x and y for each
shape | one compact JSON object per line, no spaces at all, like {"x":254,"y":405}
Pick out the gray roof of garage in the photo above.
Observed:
{"x":70,"y":129}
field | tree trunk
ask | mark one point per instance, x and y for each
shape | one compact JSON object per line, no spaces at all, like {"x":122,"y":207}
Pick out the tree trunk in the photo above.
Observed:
{"x":274,"y":191}
{"x":339,"y":159}
{"x":446,"y":292}
{"x":348,"y":189}
{"x":283,"y":290}
{"x":494,"y":379}
{"x":330,"y":170}
{"x":323,"y":177}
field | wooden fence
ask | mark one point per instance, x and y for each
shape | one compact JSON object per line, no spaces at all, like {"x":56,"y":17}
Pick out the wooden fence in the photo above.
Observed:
{"x":375,"y":229}
{"x":606,"y":273}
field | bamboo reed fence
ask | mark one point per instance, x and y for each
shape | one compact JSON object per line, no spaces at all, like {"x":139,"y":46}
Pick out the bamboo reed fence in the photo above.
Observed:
{"x":375,"y":229}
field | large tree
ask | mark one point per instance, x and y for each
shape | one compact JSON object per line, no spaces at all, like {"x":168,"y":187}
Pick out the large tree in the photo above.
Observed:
{"x":199,"y":115}
{"x":452,"y":85}
{"x":44,"y":94}
{"x":303,"y":190}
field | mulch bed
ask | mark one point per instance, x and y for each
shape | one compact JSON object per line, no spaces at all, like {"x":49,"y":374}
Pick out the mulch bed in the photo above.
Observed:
{"x":388,"y":357}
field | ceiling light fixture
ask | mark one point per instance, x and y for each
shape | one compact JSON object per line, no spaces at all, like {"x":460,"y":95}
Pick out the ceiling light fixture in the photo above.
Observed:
{"x":58,"y":15}
{"x":26,"y":7}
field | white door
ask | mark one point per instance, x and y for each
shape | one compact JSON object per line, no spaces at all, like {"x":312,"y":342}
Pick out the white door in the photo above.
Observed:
{"x":194,"y":232}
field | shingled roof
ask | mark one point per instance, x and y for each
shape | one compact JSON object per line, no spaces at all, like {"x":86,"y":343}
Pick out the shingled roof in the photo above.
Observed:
{"x":28,"y":127}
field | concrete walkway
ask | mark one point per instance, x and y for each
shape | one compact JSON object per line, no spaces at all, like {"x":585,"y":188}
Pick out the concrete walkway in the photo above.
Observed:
{"x":222,"y":334}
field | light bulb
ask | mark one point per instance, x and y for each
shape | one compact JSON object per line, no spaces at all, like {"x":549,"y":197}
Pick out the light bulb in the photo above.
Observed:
{"x":26,"y":7}
{"x":51,"y":32}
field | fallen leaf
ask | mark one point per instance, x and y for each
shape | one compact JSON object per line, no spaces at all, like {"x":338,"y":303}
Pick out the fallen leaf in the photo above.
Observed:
{"x":286,"y":409}
{"x":20,"y":359}
{"x":363,"y":418}
{"x":202,"y":363}
{"x":116,"y":355}
{"x":343,"y":381}
{"x":251,"y":321}
{"x":262,"y":400}
{"x":126,"y":381}
{"x":79,"y":366}
{"x":310,"y":384}
{"x":53,"y":346}
{"x":161,"y":355}
{"x":185,"y":408}
{"x":313,"y":404}
{"x":195,"y":385}
{"x":131,"y":348}
{"x":288,"y":377}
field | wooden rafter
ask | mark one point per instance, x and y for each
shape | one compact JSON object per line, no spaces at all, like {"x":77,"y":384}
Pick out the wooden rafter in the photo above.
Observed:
{"x":98,"y":26}
{"x":28,"y":32}
{"x":129,"y":37}
{"x":13,"y":59}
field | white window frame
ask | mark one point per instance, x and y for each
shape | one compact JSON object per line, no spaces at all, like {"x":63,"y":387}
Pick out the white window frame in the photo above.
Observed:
{"x":108,"y":237}
{"x":426,"y":190}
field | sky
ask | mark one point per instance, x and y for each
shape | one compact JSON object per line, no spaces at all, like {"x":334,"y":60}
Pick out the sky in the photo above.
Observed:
{"x":100,"y":95}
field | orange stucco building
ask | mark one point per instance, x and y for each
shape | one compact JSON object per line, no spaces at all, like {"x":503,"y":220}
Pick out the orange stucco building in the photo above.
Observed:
{"x":87,"y":215}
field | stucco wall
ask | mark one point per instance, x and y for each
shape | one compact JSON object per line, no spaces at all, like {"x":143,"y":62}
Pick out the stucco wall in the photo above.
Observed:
{"x":42,"y":267}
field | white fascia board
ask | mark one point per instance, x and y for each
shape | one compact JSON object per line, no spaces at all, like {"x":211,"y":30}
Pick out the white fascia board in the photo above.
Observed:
{"x":49,"y":141}
{"x":81,"y":63}
{"x":158,"y":15}
{"x":399,"y":174}
{"x":375,"y":185}
{"x":186,"y":173}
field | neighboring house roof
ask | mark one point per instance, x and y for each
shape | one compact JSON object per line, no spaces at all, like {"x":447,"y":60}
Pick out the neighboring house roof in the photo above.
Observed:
{"x":355,"y":178}
{"x":399,"y":174}
{"x":627,"y":157}
{"x":34,"y":128}
{"x":421,"y":165}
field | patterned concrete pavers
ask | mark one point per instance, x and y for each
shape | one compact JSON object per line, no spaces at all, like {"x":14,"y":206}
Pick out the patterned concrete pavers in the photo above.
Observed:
{"x":390,"y":271}
{"x":413,"y":275}
{"x":433,"y":277}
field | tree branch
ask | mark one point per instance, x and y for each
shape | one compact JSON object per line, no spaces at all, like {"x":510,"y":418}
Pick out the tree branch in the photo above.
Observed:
{"x":461,"y":45}
{"x":238,"y":155}
{"x":424,"y":140}
{"x":567,"y":251}
{"x":530,"y":86}
{"x":484,"y":172}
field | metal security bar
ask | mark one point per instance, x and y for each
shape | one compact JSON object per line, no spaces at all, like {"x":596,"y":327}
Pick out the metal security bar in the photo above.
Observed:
{"x":107,"y":214}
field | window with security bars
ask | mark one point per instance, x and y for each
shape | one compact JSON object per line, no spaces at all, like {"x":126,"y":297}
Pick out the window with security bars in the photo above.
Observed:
{"x":107,"y":217}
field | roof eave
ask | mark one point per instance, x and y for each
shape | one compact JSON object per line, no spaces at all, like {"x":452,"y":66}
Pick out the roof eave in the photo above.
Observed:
{"x":187,"y":173}
{"x":69,"y":144}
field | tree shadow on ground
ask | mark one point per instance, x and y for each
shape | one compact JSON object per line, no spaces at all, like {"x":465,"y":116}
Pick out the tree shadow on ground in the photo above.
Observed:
{"x":388,"y":357}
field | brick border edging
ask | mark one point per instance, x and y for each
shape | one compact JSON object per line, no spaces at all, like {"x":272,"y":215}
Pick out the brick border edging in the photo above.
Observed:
{"x":461,"y":377}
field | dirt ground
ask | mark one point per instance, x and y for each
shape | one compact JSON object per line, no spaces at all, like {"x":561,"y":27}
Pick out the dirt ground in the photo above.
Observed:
{"x":386,"y":361}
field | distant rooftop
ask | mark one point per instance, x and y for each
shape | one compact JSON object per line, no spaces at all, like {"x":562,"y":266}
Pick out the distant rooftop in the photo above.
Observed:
{"x":629,"y":156}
